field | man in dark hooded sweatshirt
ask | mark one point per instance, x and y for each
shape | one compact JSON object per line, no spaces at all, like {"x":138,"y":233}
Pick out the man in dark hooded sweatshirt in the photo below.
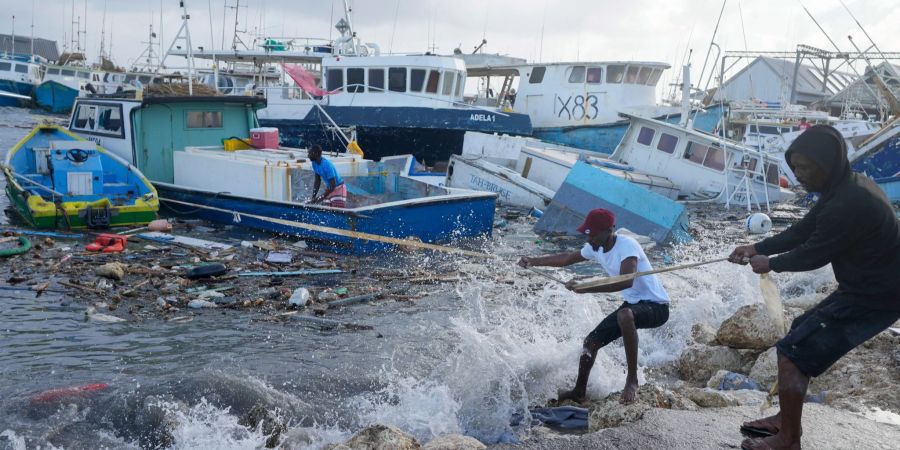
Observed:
{"x":853,"y":227}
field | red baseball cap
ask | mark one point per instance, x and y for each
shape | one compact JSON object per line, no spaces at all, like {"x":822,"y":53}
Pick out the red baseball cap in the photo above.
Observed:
{"x":597,"y":220}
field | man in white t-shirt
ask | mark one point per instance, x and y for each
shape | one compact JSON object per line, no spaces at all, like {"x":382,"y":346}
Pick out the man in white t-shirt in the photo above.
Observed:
{"x":646,"y":302}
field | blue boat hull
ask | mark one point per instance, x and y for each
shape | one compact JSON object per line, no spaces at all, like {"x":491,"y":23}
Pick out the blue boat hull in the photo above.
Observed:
{"x":14,"y":87}
{"x":430,"y":134}
{"x":55,"y":96}
{"x":605,"y":138}
{"x":636,"y":208}
{"x":884,"y":163}
{"x":891,"y":187}
{"x":434,"y":221}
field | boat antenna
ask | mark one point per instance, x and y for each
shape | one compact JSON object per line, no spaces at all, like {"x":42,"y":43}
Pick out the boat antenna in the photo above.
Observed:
{"x":103,"y":35}
{"x":394,"y":29}
{"x":12,"y":42}
{"x":32,"y":30}
{"x":709,"y":49}
{"x":543,"y":22}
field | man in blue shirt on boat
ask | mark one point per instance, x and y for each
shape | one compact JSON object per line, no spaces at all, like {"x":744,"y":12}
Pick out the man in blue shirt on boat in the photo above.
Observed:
{"x":335,"y":191}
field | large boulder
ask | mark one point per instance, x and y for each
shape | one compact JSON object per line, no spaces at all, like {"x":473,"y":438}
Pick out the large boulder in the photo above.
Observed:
{"x":379,"y":437}
{"x":765,"y":369}
{"x":609,"y":412}
{"x":454,"y":442}
{"x":713,"y":398}
{"x":750,"y":327}
{"x":699,"y":362}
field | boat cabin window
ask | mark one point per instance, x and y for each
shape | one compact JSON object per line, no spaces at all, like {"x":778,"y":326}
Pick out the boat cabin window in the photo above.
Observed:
{"x":397,"y":79}
{"x":5,"y":66}
{"x":772,"y":173}
{"x":95,"y":77}
{"x":416,"y":79}
{"x":85,"y":75}
{"x":645,"y":136}
{"x":667,"y":143}
{"x":576,"y":75}
{"x":449,"y":81}
{"x":644,"y":75}
{"x":747,"y":163}
{"x":432,"y":86}
{"x":204,"y":119}
{"x":764,"y":129}
{"x":129,"y":78}
{"x":67,"y":72}
{"x":594,"y":75}
{"x":537,"y":74}
{"x":21,"y":68}
{"x":615,"y":73}
{"x":334,"y":79}
{"x":52,"y":71}
{"x":654,"y":77}
{"x":356,"y":80}
{"x":145,"y":79}
{"x":632,"y":74}
{"x":109,"y":119}
{"x":85,"y":117}
{"x":461,"y":84}
{"x":712,"y":157}
{"x":376,"y":80}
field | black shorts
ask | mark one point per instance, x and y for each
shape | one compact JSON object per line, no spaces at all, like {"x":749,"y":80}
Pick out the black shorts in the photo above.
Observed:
{"x":647,"y":314}
{"x":825,"y":333}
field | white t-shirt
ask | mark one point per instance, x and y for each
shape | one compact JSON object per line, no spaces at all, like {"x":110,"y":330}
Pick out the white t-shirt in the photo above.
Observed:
{"x":644,"y":288}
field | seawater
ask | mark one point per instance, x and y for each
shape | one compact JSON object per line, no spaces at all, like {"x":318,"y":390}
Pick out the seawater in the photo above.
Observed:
{"x":464,"y":359}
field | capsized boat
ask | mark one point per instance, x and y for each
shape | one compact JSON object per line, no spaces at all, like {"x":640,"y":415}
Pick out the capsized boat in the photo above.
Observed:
{"x":55,"y":179}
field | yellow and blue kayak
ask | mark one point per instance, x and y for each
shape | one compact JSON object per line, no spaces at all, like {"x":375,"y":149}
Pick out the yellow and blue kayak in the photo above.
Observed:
{"x":55,"y":179}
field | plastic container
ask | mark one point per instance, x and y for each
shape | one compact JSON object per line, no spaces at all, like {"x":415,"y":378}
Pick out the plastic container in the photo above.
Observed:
{"x":264,"y":137}
{"x":235,"y":144}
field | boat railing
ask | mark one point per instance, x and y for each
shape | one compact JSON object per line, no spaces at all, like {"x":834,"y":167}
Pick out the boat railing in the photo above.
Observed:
{"x":292,"y":94}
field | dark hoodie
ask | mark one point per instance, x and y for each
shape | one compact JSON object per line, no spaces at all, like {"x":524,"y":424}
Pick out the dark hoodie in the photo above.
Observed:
{"x":853,"y":227}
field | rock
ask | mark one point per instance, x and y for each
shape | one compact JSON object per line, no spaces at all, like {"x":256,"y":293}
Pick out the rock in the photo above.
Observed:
{"x":703,"y":334}
{"x":712,"y":398}
{"x":765,"y":369}
{"x":454,"y":442}
{"x":260,"y":418}
{"x":699,"y":362}
{"x":113,"y":271}
{"x":749,"y":328}
{"x":724,"y":380}
{"x":326,"y":296}
{"x":609,"y":412}
{"x":379,"y":437}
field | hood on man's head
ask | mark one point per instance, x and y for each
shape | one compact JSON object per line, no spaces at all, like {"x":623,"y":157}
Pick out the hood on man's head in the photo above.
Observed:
{"x":825,"y":146}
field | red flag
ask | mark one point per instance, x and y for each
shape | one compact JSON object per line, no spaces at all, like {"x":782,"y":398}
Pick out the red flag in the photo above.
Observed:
{"x":306,"y":81}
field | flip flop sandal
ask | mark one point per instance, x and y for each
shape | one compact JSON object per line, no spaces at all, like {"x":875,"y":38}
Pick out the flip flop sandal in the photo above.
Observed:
{"x":756,"y":432}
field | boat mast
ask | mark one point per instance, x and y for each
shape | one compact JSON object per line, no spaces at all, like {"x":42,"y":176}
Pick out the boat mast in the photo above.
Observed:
{"x":103,"y":35}
{"x":32,"y":30}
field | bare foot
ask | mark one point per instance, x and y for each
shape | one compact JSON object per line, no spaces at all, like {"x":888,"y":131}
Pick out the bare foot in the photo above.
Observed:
{"x":577,"y":397}
{"x":769,"y":443}
{"x":772,"y":424}
{"x":629,"y":394}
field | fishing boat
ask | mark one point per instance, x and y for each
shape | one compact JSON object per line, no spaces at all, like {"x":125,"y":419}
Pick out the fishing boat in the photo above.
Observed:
{"x":55,"y":179}
{"x":395,"y":104}
{"x":18,"y":76}
{"x":528,"y":172}
{"x":62,"y":84}
{"x":879,"y":156}
{"x":268,"y":188}
{"x":577,"y":104}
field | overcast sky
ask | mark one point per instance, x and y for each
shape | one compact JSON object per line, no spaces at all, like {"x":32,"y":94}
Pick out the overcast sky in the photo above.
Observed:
{"x":654,"y":30}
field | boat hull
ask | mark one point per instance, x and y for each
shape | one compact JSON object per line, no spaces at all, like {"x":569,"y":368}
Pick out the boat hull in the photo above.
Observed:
{"x":15,"y":87}
{"x":430,"y":134}
{"x":883,"y":163}
{"x":124,"y":197}
{"x":891,"y":187}
{"x":604,"y":138}
{"x":55,"y":96}
{"x":432,"y":221}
